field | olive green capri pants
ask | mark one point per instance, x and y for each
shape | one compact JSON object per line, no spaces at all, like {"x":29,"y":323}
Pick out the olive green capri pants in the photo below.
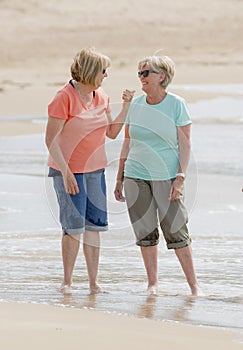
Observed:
{"x":149,"y":206}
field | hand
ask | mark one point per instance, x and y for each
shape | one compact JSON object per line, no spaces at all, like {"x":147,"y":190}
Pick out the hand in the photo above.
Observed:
{"x":176,"y":189}
{"x":118,"y":191}
{"x":70,"y":183}
{"x":127,"y":95}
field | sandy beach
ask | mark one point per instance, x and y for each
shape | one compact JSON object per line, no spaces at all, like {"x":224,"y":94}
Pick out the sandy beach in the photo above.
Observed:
{"x":38,"y":45}
{"x":38,"y":42}
{"x":45,"y":327}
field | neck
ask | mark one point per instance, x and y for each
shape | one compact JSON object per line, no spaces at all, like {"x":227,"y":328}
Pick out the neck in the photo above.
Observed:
{"x":156,"y":97}
{"x":85,"y":93}
{"x":84,"y":90}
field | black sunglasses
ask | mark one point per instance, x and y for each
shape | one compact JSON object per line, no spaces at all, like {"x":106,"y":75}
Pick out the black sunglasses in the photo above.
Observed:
{"x":104,"y":71}
{"x":145,"y":73}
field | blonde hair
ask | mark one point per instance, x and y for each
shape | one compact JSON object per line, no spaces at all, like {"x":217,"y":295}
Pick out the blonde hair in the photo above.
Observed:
{"x":160,"y":64}
{"x":87,"y":65}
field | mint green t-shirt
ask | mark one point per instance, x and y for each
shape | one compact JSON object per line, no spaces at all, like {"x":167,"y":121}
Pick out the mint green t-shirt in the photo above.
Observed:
{"x":153,"y":152}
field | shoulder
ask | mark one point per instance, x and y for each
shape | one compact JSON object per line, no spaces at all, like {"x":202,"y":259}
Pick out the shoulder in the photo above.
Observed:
{"x":60,"y":104}
{"x":138,"y":100}
{"x":101,"y":93}
{"x":175,"y":98}
{"x":180,"y":109}
{"x":102,"y":97}
{"x":66,"y":91}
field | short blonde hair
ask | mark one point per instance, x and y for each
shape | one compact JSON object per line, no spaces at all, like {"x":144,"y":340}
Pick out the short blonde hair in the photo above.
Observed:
{"x":160,"y":64}
{"x":87,"y":65}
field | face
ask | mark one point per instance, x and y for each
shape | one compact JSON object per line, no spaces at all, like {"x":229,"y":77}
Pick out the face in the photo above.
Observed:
{"x":101,"y":76}
{"x":152,"y":81}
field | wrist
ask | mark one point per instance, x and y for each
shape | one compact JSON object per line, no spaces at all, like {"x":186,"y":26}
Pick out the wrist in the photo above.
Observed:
{"x":181,"y":175}
{"x":120,"y":178}
{"x":126,"y":105}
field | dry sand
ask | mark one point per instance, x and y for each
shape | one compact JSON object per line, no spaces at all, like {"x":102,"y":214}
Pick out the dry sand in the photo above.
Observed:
{"x":26,"y":326}
{"x":38,"y":40}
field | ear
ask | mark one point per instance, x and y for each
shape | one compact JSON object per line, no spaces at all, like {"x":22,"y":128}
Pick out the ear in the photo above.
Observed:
{"x":162,"y":77}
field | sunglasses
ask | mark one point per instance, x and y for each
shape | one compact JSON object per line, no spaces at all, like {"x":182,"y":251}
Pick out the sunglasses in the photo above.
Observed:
{"x":145,"y":73}
{"x":104,"y":71}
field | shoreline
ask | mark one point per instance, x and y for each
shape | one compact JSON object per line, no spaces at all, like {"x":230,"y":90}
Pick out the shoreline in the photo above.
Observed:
{"x":31,"y":94}
{"x":43,"y":326}
{"x":31,"y":102}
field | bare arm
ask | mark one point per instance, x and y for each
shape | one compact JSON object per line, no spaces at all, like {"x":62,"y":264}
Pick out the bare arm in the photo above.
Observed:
{"x":184,"y":143}
{"x":116,"y":125}
{"x":120,"y":173}
{"x":53,"y":130}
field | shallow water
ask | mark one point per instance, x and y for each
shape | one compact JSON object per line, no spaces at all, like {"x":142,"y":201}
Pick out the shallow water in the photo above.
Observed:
{"x":30,"y":237}
{"x":32,"y":272}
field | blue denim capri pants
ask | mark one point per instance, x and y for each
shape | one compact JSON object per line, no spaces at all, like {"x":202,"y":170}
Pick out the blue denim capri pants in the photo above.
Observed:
{"x":86,"y":210}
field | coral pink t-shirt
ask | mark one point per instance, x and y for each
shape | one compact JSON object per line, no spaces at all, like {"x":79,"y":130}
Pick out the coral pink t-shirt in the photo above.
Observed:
{"x":82,"y":139}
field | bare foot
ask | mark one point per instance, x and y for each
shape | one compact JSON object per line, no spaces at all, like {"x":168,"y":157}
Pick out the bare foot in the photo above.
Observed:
{"x":97,"y":290}
{"x":152,"y":290}
{"x":66,"y":289}
{"x":197,"y":292}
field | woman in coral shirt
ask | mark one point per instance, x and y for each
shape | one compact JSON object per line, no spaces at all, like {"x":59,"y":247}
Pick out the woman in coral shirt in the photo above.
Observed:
{"x":79,"y":121}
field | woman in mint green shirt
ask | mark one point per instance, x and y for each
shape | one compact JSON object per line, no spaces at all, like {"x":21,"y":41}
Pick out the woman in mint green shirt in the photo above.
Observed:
{"x":153,"y":164}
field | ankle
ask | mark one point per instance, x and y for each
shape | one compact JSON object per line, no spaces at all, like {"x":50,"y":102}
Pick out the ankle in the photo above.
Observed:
{"x":67,"y":282}
{"x":93,"y":285}
{"x":152,"y":289}
{"x":196,"y":290}
{"x":95,"y":289}
{"x":153,"y":282}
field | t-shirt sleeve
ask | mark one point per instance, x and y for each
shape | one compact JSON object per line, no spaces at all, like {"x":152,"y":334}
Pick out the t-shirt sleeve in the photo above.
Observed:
{"x":59,"y":106}
{"x":182,"y":114}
